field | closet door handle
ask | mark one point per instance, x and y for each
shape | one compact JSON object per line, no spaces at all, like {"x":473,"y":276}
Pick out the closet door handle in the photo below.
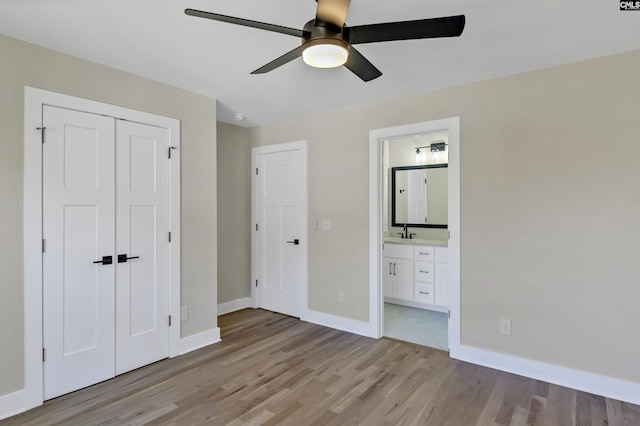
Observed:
{"x":294,"y":242}
{"x":394,"y":268}
{"x":122,"y":258}
{"x":424,"y":292}
{"x":106,"y":260}
{"x":390,"y":268}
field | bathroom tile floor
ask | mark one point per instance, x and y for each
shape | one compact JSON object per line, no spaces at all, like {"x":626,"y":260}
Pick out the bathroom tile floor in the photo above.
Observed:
{"x":421,"y":326}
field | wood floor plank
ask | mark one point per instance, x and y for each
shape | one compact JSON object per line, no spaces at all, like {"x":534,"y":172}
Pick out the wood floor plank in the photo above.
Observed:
{"x":272,"y":369}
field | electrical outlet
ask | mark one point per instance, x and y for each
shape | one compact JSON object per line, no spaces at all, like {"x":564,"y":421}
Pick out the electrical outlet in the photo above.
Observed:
{"x":505,"y":326}
{"x":184,"y":313}
{"x":325,"y":225}
{"x":341,"y":296}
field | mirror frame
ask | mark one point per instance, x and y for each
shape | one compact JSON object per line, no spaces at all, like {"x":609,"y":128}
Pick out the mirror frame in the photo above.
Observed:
{"x":393,"y":195}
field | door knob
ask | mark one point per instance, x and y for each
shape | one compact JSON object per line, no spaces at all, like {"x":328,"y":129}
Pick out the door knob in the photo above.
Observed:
{"x":106,"y":260}
{"x":122,"y":258}
{"x":294,"y":242}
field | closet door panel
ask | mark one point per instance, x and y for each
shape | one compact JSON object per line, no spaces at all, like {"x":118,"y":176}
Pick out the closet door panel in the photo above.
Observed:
{"x":78,"y":228}
{"x":142,"y":293}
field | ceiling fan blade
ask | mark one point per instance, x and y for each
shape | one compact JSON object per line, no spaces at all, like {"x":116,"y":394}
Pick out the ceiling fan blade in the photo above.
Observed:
{"x":360,"y":66}
{"x":332,"y":12}
{"x":450,"y":26}
{"x":286,"y":58}
{"x":244,"y":22}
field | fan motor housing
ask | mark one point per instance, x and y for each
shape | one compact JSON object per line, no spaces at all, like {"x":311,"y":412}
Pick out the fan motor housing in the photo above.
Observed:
{"x":318,"y":34}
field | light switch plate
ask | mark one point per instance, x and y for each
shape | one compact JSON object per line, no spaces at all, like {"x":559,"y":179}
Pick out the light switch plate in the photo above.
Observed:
{"x":505,"y":326}
{"x":184,"y":313}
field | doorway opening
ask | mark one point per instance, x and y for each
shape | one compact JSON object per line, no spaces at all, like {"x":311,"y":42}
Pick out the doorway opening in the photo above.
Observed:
{"x":415,"y":205}
{"x":415,"y":233}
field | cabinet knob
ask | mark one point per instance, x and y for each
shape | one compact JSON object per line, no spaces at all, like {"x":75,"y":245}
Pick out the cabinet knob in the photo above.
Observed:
{"x":423,"y":292}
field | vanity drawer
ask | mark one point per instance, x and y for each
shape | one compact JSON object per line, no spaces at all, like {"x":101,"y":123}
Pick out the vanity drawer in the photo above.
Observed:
{"x":399,"y":251}
{"x":442,"y":254}
{"x":424,"y":271}
{"x":424,"y":253}
{"x":424,"y":293}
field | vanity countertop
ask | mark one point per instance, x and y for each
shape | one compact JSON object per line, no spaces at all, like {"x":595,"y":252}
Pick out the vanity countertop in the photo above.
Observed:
{"x":414,"y":241}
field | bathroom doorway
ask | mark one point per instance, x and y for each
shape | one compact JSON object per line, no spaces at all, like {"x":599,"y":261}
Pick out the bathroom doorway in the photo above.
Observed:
{"x":415,"y":205}
{"x":414,"y":234}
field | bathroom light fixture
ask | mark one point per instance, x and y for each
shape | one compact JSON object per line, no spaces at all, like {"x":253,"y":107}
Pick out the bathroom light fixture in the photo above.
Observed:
{"x":437,"y":147}
{"x":434,"y":147}
{"x":418,"y":156}
{"x":325,"y":53}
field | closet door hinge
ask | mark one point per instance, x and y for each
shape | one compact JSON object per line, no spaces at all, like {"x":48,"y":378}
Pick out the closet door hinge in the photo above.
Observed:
{"x":42,"y":129}
{"x":256,"y":171}
{"x":256,"y":283}
{"x":449,"y":313}
{"x":169,"y":320}
{"x":256,"y":226}
{"x":169,"y":236}
{"x":43,"y":246}
{"x":44,"y":353}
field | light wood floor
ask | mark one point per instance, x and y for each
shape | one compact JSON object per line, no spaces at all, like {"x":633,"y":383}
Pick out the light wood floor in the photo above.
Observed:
{"x":274,"y":369}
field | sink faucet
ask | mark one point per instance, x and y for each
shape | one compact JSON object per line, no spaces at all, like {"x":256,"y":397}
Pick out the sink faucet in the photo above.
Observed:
{"x":405,"y":230}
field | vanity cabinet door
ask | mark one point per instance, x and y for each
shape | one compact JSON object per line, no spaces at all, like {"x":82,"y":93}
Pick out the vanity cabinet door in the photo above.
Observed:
{"x":398,"y":278}
{"x":387,"y":277}
{"x":403,"y":269}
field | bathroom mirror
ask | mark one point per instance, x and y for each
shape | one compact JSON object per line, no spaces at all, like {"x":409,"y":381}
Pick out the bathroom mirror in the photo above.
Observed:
{"x":419,"y":196}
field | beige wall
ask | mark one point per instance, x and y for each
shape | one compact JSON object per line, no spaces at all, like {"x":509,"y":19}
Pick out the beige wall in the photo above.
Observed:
{"x":24,"y":64}
{"x":234,"y":215}
{"x":550,"y":230}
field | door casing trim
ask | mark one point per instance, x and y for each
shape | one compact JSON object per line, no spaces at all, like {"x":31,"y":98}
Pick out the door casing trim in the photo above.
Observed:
{"x":34,"y":99}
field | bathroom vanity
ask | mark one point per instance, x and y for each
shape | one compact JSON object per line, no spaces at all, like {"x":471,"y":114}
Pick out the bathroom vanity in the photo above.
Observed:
{"x":415,"y":273}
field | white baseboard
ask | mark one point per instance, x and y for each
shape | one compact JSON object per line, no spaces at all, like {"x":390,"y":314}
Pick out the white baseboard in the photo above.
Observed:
{"x":12,"y":404}
{"x":581,"y":380}
{"x":340,"y":323}
{"x":234,"y":305}
{"x":200,"y":340}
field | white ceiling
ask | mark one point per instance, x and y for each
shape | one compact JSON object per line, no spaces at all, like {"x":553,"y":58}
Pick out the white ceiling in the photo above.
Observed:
{"x":155,"y":39}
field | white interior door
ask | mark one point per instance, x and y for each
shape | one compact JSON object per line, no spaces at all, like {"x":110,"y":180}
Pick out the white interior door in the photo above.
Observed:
{"x":281,"y":194}
{"x":142,"y":271}
{"x":78,"y":227}
{"x":106,"y":318}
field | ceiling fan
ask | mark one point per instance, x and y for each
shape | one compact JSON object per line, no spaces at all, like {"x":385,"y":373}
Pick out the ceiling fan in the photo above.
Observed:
{"x":327,"y":42}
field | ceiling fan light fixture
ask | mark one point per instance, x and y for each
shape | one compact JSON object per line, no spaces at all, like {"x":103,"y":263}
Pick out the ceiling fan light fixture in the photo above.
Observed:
{"x":325,"y":53}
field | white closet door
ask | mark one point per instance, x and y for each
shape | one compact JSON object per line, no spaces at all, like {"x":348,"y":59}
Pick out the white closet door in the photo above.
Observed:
{"x":281,"y":194}
{"x":142,"y":299}
{"x":78,"y":226}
